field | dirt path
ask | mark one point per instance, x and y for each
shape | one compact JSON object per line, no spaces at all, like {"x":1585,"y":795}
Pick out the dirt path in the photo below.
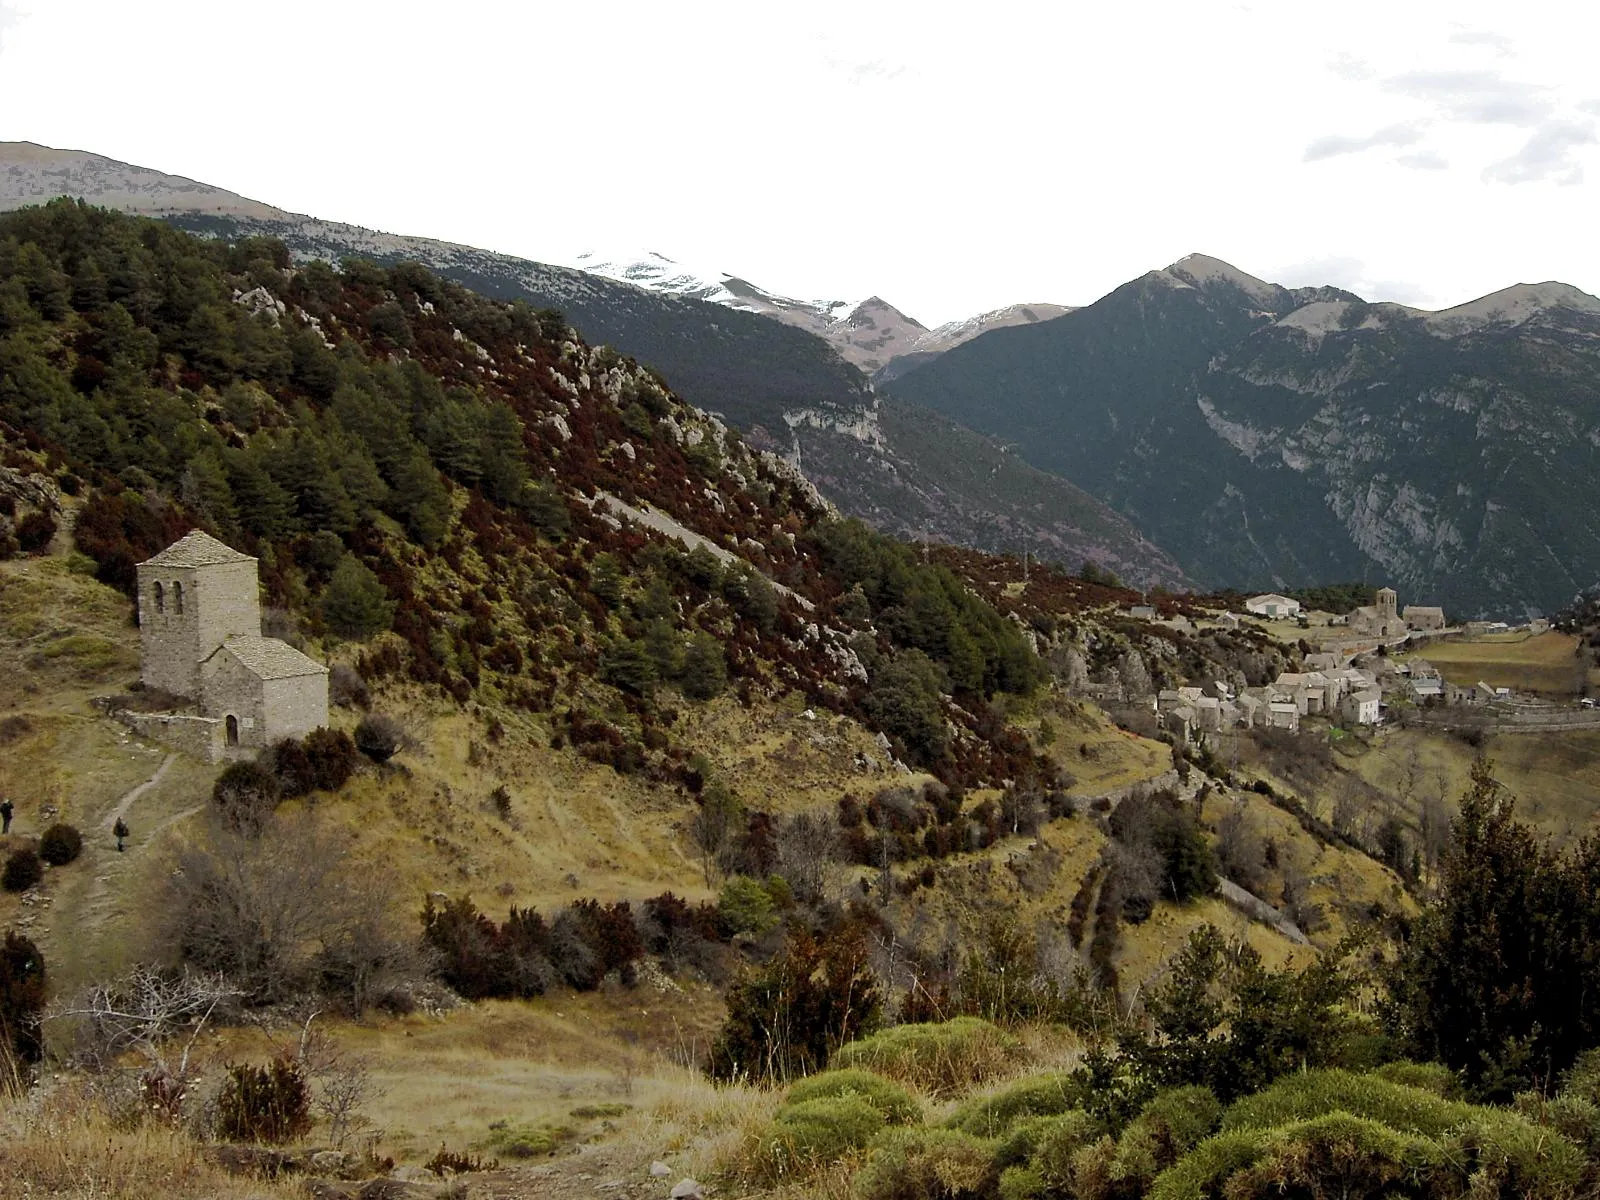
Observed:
{"x":133,"y":794}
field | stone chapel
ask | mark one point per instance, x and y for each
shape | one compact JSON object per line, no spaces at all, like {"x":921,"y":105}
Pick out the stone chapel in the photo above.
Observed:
{"x":200,"y":638}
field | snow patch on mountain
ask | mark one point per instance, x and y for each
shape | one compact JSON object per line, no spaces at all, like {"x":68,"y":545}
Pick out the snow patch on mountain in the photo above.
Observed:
{"x":953,"y":333}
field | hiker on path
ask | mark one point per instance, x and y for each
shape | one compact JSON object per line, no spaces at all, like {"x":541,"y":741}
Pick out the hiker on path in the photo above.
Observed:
{"x":121,"y":830}
{"x":6,"y":809}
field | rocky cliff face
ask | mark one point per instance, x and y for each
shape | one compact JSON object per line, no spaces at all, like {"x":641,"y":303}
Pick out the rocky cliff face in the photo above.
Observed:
{"x":1271,"y":436}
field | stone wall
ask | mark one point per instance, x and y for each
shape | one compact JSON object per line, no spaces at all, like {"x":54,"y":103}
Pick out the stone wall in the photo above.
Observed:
{"x":199,"y":737}
{"x":196,"y":610}
{"x":231,"y":690}
{"x":295,"y":706}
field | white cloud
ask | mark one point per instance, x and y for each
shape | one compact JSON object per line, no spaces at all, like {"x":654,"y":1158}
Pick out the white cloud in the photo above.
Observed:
{"x":1480,"y":97}
{"x":1423,"y":160}
{"x":1498,"y":42}
{"x":1547,"y":154}
{"x":1335,"y":145}
{"x":1045,"y":152}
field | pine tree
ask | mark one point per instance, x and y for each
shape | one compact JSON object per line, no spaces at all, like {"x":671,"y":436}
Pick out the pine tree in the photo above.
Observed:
{"x":356,"y":604}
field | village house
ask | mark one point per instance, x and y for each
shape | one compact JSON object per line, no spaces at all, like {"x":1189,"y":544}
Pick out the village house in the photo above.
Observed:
{"x":1423,"y":617}
{"x":1142,"y":612}
{"x":1362,"y":707}
{"x":1228,"y":620}
{"x":1273,"y":606}
{"x":200,"y":640}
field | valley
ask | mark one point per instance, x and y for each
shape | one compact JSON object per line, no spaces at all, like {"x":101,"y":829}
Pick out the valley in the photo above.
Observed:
{"x":664,"y":829}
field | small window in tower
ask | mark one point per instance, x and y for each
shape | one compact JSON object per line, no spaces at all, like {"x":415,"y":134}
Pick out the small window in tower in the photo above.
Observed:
{"x":161,"y":597}
{"x":231,"y":728}
{"x":177,"y":598}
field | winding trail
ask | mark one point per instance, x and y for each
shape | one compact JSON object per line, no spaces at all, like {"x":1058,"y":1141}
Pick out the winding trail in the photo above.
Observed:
{"x":133,"y":794}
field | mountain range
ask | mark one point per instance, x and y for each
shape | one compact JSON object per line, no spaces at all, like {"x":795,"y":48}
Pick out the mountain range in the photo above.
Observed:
{"x":872,"y":334}
{"x":1267,"y":435}
{"x":1216,"y":429}
{"x":774,"y":380}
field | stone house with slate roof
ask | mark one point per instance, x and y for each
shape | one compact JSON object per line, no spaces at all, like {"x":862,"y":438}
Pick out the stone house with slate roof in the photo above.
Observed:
{"x":200,"y":638}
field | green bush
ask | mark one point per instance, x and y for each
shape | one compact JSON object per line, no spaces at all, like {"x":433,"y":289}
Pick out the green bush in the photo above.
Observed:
{"x":60,"y":844}
{"x":1314,"y":1093}
{"x":1375,"y":1138}
{"x":942,"y":1059}
{"x":23,"y":869}
{"x":993,"y":1115}
{"x":1171,"y":1125}
{"x":814,"y":1133}
{"x":746,"y":906}
{"x":1429,"y":1077}
{"x":927,"y":1164}
{"x":1036,"y":1142}
{"x":897,"y":1105}
{"x":527,"y":1141}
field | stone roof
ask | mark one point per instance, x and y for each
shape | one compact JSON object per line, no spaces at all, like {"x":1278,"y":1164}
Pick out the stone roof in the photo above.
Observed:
{"x":196,"y":549}
{"x":268,"y":658}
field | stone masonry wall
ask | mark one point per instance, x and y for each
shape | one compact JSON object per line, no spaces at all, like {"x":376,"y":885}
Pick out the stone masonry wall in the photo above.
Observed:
{"x":199,"y":737}
{"x":294,"y":707}
{"x":232,"y":690}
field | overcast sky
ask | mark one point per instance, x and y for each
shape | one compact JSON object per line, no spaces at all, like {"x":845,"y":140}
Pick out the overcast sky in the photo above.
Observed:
{"x":949,"y":158}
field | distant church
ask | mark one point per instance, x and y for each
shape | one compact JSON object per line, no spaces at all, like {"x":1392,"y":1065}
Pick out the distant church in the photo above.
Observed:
{"x":200,"y":638}
{"x":1380,"y":620}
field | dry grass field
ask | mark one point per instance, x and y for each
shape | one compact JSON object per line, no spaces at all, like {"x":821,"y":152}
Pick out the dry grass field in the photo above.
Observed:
{"x":1545,"y":664}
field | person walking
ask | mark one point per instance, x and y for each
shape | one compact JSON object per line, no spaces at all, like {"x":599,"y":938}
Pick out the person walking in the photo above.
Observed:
{"x":121,"y":830}
{"x":6,"y":809}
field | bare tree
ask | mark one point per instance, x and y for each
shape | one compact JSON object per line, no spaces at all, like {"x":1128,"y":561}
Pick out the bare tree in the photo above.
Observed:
{"x":806,"y":845}
{"x":714,"y":825}
{"x":342,"y":1083}
{"x":275,"y":911}
{"x":1241,"y":851}
{"x":148,"y":1013}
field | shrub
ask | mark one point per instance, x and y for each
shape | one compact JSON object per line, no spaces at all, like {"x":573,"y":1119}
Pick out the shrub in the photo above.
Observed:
{"x":993,"y":1115}
{"x":814,"y":1133}
{"x":1428,"y":1077}
{"x":245,"y":794}
{"x":787,"y":1018}
{"x":927,"y":1164}
{"x":896,"y":1104}
{"x":331,"y":755}
{"x":941,"y":1059}
{"x":379,"y":737}
{"x":264,"y":1104}
{"x":347,"y":688}
{"x":34,"y":532}
{"x":1169,"y":1127}
{"x":60,"y":844}
{"x":22,"y":992}
{"x":290,"y":767}
{"x":746,"y":906}
{"x":23,"y":869}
